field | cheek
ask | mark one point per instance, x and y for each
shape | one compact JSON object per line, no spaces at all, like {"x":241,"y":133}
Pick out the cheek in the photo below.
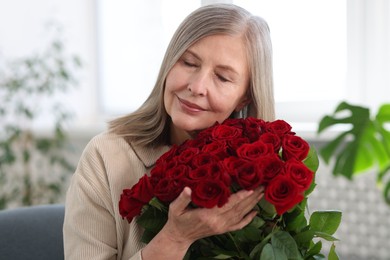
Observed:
{"x":168,"y":99}
{"x":174,"y":83}
{"x":168,"y":90}
{"x":226,"y":103}
{"x":175,"y":79}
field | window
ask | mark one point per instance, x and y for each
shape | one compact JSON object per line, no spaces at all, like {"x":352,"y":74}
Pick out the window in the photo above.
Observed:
{"x":133,"y":36}
{"x":325,"y":51}
{"x":309,"y":52}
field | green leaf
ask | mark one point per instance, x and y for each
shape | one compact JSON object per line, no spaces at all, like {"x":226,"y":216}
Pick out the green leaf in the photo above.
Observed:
{"x":248,"y":234}
{"x":26,"y":156}
{"x":272,"y":253}
{"x":329,"y":149}
{"x":379,"y":154}
{"x":383,"y":114}
{"x":155,"y":202}
{"x":314,"y":250}
{"x":268,"y":209}
{"x":325,"y":221}
{"x":257,"y":222}
{"x":332,"y":253}
{"x":284,"y":241}
{"x":295,"y":220}
{"x":255,"y":253}
{"x":152,"y":219}
{"x":345,"y":162}
{"x":381,"y":175}
{"x":366,"y":143}
{"x":325,"y":236}
{"x":386,"y":193}
{"x":223,"y":256}
{"x":311,"y":188}
{"x":311,"y":160}
{"x":304,"y":238}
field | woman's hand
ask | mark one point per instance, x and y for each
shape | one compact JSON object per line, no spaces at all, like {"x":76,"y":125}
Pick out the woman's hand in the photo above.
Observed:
{"x":185,"y":225}
{"x":192,"y":224}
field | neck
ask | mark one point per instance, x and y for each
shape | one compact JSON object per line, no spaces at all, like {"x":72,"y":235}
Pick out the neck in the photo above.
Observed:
{"x":178,"y":136}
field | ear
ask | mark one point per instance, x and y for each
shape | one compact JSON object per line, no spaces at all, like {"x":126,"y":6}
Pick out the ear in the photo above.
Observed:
{"x":244,"y":101}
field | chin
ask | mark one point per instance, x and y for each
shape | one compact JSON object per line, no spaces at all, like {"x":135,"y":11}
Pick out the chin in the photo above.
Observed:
{"x":188,"y":125}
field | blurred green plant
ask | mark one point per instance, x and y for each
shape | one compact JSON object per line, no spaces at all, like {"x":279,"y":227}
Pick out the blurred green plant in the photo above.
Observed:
{"x":364,"y":146}
{"x":33,"y":165}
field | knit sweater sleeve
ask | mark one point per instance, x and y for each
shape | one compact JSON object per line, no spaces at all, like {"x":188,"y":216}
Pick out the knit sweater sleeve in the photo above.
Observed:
{"x":93,"y":228}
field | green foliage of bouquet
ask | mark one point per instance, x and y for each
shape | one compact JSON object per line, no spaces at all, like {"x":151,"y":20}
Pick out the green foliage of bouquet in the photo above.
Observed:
{"x":363,"y":146}
{"x":240,"y":154}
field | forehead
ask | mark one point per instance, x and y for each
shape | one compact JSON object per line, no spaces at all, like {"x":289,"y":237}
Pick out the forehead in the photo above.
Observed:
{"x":222,"y":49}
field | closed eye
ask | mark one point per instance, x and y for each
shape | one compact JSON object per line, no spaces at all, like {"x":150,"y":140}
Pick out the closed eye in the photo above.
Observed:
{"x":189,"y":64}
{"x":222,"y":78}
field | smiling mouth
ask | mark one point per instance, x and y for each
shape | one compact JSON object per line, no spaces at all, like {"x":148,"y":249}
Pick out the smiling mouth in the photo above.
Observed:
{"x":191,"y":107}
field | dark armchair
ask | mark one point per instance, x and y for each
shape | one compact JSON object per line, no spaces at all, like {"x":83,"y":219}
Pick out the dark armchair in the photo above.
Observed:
{"x":32,"y":233}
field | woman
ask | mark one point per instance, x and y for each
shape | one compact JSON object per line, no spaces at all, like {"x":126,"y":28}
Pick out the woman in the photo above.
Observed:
{"x":217,"y":65}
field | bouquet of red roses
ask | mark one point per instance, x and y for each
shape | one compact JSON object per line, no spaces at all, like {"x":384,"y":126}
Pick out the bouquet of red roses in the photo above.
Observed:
{"x":239,"y":154}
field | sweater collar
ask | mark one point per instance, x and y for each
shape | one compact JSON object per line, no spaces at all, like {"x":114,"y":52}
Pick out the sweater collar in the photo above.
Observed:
{"x":149,"y":155}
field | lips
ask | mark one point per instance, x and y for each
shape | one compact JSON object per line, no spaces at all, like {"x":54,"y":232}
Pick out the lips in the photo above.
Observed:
{"x":191,"y":107}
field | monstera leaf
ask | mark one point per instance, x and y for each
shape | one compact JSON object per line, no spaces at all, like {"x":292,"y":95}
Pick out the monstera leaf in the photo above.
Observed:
{"x":363,"y":146}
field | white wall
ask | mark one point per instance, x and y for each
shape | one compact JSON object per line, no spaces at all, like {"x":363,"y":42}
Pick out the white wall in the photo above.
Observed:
{"x":23,"y":31}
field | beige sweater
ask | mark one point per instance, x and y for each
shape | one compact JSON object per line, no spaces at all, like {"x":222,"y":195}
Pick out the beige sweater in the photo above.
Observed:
{"x":93,"y":228}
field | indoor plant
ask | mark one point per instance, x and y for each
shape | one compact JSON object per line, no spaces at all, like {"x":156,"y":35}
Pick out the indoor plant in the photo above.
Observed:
{"x":33,"y":165}
{"x":362,"y":143}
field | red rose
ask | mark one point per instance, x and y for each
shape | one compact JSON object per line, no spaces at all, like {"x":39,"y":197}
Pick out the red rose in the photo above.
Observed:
{"x":192,"y":143}
{"x":129,"y":207}
{"x":199,"y":173}
{"x":180,"y":171}
{"x":168,"y":189}
{"x":294,"y":147}
{"x":248,"y":176}
{"x":236,"y":122}
{"x":217,"y":171}
{"x":171,"y":163}
{"x":253,"y":128}
{"x":279,"y":127}
{"x":217,"y":148}
{"x":157,"y":173}
{"x":210,"y":171}
{"x":271,"y":138}
{"x":143,"y":189}
{"x":209,"y":193}
{"x":270,"y":166}
{"x":254,"y":150}
{"x":202,"y":159}
{"x":186,"y":155}
{"x":298,"y":171}
{"x":231,"y":165}
{"x":235,"y":143}
{"x":224,"y":132}
{"x":168,"y":155}
{"x":132,"y":200}
{"x":283,"y":193}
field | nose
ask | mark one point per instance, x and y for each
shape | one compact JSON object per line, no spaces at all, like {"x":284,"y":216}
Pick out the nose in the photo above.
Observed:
{"x":198,"y":84}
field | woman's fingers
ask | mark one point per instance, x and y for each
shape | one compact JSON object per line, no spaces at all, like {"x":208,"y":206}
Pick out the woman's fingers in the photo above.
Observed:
{"x":239,"y":210}
{"x":249,"y":202}
{"x":243,"y":200}
{"x":243,"y":222}
{"x":180,"y":204}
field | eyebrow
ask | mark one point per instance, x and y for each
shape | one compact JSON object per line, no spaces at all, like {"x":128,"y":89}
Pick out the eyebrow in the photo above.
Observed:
{"x":224,"y":67}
